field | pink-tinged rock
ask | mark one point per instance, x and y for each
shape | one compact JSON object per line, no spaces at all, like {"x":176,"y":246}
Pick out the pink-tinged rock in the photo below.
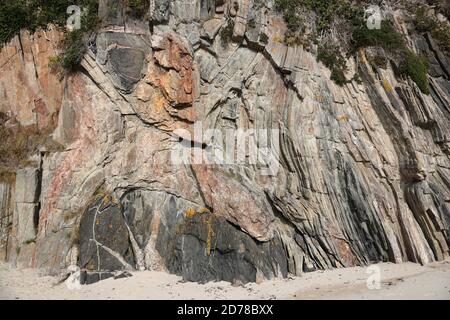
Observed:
{"x":30,"y":91}
{"x":238,"y":202}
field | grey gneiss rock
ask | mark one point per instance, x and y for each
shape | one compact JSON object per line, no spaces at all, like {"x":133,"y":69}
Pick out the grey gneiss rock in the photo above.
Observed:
{"x":362,"y":171}
{"x":104,"y":239}
{"x":208,"y":248}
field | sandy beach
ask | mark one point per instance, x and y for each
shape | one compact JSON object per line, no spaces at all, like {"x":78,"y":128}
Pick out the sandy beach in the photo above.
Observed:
{"x":398,"y":281}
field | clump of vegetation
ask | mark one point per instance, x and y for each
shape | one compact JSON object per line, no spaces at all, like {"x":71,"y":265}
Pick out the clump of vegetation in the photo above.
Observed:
{"x":75,"y":48}
{"x":139,"y":8}
{"x":226,"y":33}
{"x":326,"y":11}
{"x":416,"y":67}
{"x":412,"y":65}
{"x":293,"y":38}
{"x":33,"y":14}
{"x":13,"y":17}
{"x":440,"y":31}
{"x":310,"y":20}
{"x":357,"y":78}
{"x":289,"y":10}
{"x":348,"y":17}
{"x":251,"y":23}
{"x":75,"y":43}
{"x":209,"y":233}
{"x":380,"y":61}
{"x":30,"y":14}
{"x":263,"y":38}
{"x":386,"y":37}
{"x":423,"y":22}
{"x":332,"y":58}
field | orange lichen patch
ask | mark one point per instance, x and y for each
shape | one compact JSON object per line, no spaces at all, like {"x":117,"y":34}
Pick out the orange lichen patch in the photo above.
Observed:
{"x":204,"y":211}
{"x":190,"y":213}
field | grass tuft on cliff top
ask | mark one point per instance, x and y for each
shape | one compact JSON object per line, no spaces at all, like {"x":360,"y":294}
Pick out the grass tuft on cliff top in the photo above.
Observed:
{"x":348,"y":17}
{"x":33,"y":14}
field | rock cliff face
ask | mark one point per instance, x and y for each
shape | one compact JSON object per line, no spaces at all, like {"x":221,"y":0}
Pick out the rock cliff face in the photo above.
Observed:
{"x":354,"y":174}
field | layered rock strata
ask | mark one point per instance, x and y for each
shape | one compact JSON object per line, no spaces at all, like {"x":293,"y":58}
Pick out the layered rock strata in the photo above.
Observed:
{"x":362,"y":172}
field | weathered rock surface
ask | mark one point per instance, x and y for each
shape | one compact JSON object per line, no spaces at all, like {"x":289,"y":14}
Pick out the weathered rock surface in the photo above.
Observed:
{"x":29,"y":90}
{"x":104,"y":243}
{"x":6,"y":220}
{"x":361,"y":173}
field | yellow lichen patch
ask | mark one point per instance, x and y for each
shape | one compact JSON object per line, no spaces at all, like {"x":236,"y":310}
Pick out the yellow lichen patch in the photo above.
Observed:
{"x":106,"y":200}
{"x":210,"y":234}
{"x":278,"y":38}
{"x":387,"y":86}
{"x":115,"y":201}
{"x":190,"y":213}
{"x":159,"y":102}
{"x":206,"y":219}
{"x":343,"y":117}
{"x":320,"y":98}
{"x":180,"y":229}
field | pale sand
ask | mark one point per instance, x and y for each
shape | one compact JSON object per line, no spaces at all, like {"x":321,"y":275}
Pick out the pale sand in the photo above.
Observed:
{"x":401,"y":281}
